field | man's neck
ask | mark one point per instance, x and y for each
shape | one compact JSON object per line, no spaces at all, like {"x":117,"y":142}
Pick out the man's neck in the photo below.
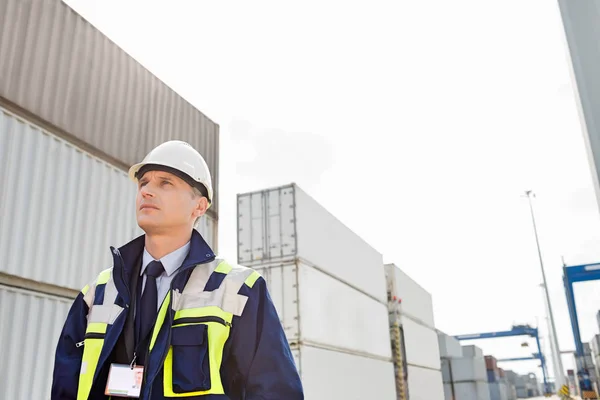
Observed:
{"x":160,"y":245}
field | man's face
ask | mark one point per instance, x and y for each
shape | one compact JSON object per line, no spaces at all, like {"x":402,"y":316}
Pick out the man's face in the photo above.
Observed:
{"x":166,"y":203}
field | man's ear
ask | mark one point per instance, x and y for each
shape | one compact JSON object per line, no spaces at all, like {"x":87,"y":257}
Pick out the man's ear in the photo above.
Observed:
{"x":201,"y":207}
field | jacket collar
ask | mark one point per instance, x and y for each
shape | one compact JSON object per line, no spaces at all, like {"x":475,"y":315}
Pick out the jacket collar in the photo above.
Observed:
{"x":125,"y":258}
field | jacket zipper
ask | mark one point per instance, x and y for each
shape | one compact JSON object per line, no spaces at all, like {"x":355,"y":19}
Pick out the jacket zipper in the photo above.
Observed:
{"x":197,"y":320}
{"x":169,"y":326}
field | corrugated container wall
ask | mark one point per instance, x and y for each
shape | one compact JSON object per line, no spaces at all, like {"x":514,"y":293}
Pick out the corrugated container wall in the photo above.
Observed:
{"x":328,"y":287}
{"x":332,"y":375}
{"x":285,"y":224}
{"x":65,"y":208}
{"x":319,"y":310}
{"x":581,"y":20}
{"x":56,"y":67}
{"x":417,"y":303}
{"x":411,"y":307}
{"x":37,"y":320}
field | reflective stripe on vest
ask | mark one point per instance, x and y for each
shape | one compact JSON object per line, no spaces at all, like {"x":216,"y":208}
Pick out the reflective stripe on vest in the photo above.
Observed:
{"x":214,"y":309}
{"x":99,"y":317}
{"x":223,"y":303}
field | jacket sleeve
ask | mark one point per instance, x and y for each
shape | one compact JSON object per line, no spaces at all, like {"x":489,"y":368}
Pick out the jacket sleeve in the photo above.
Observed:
{"x":262,"y":354}
{"x":67,"y":360}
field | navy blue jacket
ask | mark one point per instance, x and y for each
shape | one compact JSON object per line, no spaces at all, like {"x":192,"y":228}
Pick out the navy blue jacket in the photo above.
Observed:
{"x":257,"y":360}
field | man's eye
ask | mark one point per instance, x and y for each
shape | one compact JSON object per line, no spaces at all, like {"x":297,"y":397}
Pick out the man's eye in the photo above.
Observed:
{"x":166,"y":182}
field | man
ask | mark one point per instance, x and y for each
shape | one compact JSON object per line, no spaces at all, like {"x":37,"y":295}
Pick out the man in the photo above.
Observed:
{"x":199,"y":327}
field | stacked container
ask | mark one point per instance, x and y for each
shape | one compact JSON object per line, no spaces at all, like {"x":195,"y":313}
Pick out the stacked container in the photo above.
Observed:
{"x":511,"y":381}
{"x":511,"y":393}
{"x":496,"y":379}
{"x":595,"y":344}
{"x":411,"y":308}
{"x":587,"y":362}
{"x":465,"y":377}
{"x":329,"y":289}
{"x":573,"y":384}
{"x":527,"y":386}
{"x":522,"y":387}
{"x":449,"y":349}
{"x":75,"y":112}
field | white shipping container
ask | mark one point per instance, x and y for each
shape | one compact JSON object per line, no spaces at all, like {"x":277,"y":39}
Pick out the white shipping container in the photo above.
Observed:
{"x":471,"y":391}
{"x":65,"y":208}
{"x":522,"y":393}
{"x":464,"y":369}
{"x":316,"y":308}
{"x":448,"y":392}
{"x":587,"y":348}
{"x":421,"y":343}
{"x":472,"y":351}
{"x":31,"y":325}
{"x":284,"y":223}
{"x":511,"y":392}
{"x":579,"y":362}
{"x":425,"y":384}
{"x":595,"y":345}
{"x":449,"y":346}
{"x":498,"y":391}
{"x":416,"y":301}
{"x":331,"y":375}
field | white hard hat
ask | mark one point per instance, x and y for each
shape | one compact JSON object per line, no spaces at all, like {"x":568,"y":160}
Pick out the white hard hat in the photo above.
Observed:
{"x":181,"y":159}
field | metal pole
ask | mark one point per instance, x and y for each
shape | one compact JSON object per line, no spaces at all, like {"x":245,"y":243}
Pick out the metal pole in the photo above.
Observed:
{"x":553,"y":352}
{"x":560,"y":378}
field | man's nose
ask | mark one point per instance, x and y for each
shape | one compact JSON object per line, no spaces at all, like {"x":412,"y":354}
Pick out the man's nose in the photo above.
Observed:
{"x":147,"y":191}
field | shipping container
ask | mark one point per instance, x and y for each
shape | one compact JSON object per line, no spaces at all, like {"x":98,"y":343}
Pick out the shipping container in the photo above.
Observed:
{"x":65,"y":208}
{"x":31,"y":325}
{"x":421,"y":344}
{"x":328,"y":375}
{"x":472,"y":391}
{"x":57,"y":69}
{"x":472,"y":351}
{"x":511,"y":376}
{"x":522,"y":393}
{"x":449,"y":346}
{"x":424,"y":384}
{"x":285,"y":224}
{"x":580,"y":362}
{"x":595,"y":342}
{"x":464,"y":369}
{"x":319,"y":309}
{"x":491,"y":364}
{"x":449,"y":392}
{"x":492,"y":376}
{"x":581,"y":20}
{"x":416,"y":301}
{"x":511,"y":391}
{"x":498,"y":391}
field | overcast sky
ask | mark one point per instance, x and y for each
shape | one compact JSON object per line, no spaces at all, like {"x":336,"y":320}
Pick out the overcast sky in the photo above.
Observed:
{"x":417,"y":124}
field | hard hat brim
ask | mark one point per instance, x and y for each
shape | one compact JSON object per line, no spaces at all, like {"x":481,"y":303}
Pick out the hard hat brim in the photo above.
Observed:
{"x":142,"y":168}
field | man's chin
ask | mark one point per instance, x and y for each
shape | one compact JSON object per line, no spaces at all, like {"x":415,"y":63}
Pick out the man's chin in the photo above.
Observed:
{"x":147,"y":225}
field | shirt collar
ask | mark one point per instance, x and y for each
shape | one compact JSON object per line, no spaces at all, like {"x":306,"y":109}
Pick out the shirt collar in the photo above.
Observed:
{"x":171,"y":262}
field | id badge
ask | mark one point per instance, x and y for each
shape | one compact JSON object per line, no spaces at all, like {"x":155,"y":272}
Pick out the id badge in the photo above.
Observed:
{"x":124,"y":381}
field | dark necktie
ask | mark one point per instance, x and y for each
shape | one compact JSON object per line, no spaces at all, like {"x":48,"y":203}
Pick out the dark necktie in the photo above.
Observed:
{"x":148,"y":304}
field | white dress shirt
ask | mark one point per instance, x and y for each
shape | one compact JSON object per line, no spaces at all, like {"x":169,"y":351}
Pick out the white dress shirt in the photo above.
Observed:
{"x":171,"y":263}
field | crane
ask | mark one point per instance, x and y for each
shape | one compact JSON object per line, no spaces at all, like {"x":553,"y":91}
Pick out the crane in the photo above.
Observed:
{"x":517,"y":330}
{"x":571,"y":275}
